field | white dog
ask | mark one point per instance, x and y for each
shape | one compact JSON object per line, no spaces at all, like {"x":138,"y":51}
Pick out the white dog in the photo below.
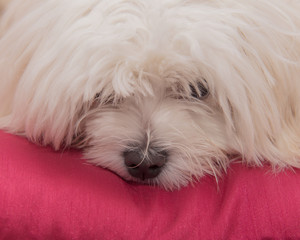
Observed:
{"x":158,"y":91}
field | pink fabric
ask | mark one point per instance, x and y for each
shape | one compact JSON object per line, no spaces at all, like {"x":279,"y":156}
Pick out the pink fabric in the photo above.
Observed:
{"x":51,"y":195}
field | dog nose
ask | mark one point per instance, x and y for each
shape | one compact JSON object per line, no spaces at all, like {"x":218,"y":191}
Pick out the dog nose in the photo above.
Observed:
{"x":144,"y":168}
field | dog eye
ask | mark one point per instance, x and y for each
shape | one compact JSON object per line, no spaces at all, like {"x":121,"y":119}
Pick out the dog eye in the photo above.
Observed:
{"x":107,"y":100}
{"x":199,"y":90}
{"x":97,"y":96}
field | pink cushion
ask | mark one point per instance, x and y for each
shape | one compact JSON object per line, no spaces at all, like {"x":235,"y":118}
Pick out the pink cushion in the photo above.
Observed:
{"x":53,"y":195}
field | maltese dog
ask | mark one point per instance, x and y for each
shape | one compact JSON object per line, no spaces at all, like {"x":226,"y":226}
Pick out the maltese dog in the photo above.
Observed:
{"x":160,"y":92}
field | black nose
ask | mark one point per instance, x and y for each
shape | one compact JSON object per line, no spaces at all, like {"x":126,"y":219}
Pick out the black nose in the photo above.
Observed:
{"x":144,"y":167}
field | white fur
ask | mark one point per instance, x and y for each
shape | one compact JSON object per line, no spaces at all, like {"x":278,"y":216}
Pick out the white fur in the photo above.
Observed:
{"x":141,"y":56}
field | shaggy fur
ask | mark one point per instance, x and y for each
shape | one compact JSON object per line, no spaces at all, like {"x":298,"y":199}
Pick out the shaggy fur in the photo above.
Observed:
{"x":120,"y":75}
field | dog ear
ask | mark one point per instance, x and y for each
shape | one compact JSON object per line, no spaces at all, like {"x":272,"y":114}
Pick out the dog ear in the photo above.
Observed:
{"x":45,"y":95}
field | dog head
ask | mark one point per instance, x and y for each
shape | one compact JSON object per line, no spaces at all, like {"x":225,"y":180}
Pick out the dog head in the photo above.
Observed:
{"x":160,"y":93}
